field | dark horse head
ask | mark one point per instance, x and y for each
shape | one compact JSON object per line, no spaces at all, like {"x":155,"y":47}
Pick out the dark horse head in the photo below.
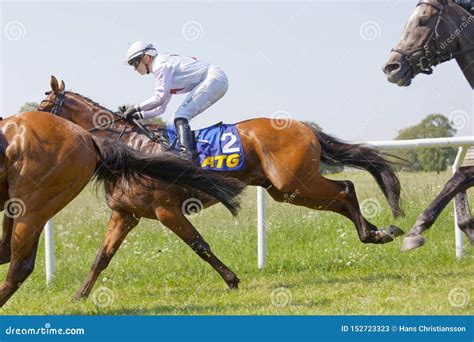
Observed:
{"x":437,"y":31}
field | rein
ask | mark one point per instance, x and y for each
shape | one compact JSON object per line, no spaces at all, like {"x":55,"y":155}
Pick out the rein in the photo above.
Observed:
{"x":427,"y":61}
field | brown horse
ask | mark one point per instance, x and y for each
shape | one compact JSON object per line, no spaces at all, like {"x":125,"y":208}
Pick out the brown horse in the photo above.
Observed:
{"x":284,"y":161}
{"x":436,"y":32}
{"x":45,"y":161}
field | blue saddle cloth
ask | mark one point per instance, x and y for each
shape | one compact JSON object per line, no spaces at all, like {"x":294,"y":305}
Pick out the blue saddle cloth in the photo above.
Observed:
{"x":218,"y":147}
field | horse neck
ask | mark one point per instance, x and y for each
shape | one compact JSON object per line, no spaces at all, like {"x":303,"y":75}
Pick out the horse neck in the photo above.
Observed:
{"x":466,"y":63}
{"x":466,"y":42}
{"x":90,"y":116}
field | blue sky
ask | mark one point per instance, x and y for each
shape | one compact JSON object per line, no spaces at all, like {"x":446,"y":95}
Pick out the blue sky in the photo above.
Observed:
{"x":307,"y":59}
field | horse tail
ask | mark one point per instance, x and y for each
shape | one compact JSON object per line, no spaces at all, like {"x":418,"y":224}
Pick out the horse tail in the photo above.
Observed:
{"x":337,"y":152}
{"x":117,"y":161}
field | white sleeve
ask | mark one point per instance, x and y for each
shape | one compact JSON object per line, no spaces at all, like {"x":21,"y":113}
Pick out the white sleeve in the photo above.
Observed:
{"x":162,"y":94}
{"x":156,"y":111}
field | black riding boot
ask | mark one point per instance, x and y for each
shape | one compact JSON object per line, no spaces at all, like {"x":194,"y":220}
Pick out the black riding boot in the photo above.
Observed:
{"x":185,"y":138}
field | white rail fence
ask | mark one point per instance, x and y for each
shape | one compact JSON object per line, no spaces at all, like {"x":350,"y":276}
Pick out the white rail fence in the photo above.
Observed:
{"x":461,"y":142}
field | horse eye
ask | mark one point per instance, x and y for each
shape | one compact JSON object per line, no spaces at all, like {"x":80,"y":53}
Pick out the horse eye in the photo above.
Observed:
{"x":423,"y":22}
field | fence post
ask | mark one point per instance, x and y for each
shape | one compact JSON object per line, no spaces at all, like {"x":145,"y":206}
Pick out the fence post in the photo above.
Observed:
{"x":458,"y":236}
{"x":261,"y":229}
{"x":49,"y":250}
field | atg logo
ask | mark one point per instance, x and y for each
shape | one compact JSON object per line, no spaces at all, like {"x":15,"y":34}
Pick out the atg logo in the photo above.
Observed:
{"x":220,"y":161}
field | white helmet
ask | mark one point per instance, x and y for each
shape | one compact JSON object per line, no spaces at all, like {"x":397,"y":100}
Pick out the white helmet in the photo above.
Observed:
{"x":138,"y":49}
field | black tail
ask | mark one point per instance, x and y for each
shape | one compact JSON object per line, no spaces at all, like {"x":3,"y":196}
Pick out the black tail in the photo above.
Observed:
{"x":337,"y":152}
{"x":118,"y":160}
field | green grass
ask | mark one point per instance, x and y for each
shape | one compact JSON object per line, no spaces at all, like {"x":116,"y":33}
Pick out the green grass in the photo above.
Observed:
{"x":315,"y":257}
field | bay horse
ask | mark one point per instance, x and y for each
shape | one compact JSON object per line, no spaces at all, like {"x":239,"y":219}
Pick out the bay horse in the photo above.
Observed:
{"x":45,"y":161}
{"x":283,"y":161}
{"x":437,"y":31}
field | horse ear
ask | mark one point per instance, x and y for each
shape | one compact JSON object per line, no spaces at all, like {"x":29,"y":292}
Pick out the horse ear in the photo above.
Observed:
{"x":63,"y":86}
{"x":54,"y":84}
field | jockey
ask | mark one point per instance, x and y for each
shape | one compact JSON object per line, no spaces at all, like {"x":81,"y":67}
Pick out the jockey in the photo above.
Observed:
{"x":205,"y":84}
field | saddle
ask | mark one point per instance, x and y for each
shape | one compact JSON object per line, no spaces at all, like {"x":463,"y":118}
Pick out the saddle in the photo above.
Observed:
{"x":217,"y":147}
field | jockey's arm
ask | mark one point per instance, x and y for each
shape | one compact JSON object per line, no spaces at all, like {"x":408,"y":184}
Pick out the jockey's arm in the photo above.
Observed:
{"x":156,"y":105}
{"x":146,"y":114}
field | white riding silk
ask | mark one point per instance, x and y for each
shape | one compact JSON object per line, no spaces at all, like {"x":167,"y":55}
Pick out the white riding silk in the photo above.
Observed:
{"x":174,"y":74}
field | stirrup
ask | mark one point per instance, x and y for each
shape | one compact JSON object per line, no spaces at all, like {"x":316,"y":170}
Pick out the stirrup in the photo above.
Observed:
{"x":185,"y":154}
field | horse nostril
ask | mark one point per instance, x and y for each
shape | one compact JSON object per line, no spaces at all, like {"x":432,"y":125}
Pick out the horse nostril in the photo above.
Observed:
{"x":392,"y":68}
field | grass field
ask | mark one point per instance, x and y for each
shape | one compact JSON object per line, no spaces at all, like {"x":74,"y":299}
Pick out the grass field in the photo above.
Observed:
{"x":316,"y":264}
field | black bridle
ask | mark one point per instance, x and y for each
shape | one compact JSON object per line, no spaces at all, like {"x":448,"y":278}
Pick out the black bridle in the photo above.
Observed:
{"x":58,"y":102}
{"x":427,"y":57}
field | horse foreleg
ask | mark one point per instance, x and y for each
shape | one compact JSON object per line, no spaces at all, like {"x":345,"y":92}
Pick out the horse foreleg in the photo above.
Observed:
{"x":456,"y":186}
{"x":174,"y":219}
{"x":24,"y":246}
{"x":5,"y":243}
{"x":120,"y":224}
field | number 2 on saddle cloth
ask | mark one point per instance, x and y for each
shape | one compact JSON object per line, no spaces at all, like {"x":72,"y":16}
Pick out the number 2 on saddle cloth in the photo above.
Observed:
{"x":218,"y":147}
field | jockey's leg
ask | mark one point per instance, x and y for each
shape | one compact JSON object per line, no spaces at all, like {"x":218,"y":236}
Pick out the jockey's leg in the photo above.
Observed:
{"x":204,"y":95}
{"x":185,"y":138}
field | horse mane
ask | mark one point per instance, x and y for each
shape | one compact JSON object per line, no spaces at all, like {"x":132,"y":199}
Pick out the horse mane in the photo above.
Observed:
{"x":101,"y":107}
{"x":90,"y":101}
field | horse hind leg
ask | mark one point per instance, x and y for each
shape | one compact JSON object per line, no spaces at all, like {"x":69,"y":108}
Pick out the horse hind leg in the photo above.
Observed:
{"x":367,"y":232}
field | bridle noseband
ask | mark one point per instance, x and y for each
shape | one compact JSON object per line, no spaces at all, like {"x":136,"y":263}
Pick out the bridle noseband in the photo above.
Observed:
{"x":429,"y":58}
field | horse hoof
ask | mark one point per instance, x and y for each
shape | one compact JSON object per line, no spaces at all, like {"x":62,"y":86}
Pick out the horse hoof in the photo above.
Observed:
{"x":470,"y":235}
{"x":412,"y":242}
{"x":234,"y":285}
{"x":79,"y":296}
{"x":394,"y":231}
